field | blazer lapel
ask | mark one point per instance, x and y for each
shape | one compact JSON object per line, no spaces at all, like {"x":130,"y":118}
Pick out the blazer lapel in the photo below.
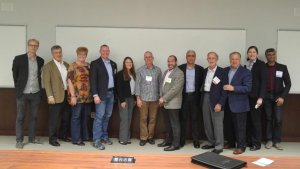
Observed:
{"x":236,"y":74}
{"x":56,"y":71}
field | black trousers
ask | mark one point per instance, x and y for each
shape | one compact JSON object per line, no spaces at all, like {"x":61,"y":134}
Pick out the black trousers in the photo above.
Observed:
{"x":274,"y":119}
{"x":59,"y":113}
{"x":33,"y":103}
{"x":229,"y":133}
{"x":172,"y":126}
{"x":190,"y":108}
{"x":239,"y":123}
{"x":254,"y":124}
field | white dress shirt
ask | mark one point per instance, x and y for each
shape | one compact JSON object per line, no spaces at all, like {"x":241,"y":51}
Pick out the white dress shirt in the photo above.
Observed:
{"x":167,"y":76}
{"x":209,"y":77}
{"x":63,"y":72}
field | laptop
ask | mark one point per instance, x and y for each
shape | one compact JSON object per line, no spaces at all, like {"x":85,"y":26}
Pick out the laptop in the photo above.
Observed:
{"x":213,"y":160}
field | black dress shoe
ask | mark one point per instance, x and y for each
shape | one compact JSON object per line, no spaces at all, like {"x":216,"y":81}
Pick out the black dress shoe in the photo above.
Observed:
{"x":164,"y":144}
{"x":182,"y":144}
{"x":217,"y":151}
{"x":122,"y":142}
{"x":143,"y":142}
{"x":65,"y":139}
{"x":54,"y":143}
{"x":254,"y":148}
{"x":196,"y":144}
{"x":205,"y":147}
{"x":79,"y":144}
{"x":151,"y":141}
{"x":171,"y":148}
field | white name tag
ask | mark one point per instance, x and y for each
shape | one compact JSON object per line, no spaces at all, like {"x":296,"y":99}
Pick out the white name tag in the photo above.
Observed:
{"x":279,"y":74}
{"x":149,"y":78}
{"x":216,"y":80}
{"x":168,"y":80}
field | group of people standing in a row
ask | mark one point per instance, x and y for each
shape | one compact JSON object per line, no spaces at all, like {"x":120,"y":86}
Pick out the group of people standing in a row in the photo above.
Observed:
{"x":230,"y":98}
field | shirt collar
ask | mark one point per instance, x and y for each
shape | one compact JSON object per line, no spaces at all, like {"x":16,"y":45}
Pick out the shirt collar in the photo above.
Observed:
{"x":105,"y":61}
{"x":57,"y":62}
{"x":252,"y":61}
{"x":212,"y":70}
{"x":31,"y":58}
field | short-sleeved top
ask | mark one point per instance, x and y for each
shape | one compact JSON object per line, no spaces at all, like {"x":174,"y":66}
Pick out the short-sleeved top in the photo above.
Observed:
{"x":79,"y":75}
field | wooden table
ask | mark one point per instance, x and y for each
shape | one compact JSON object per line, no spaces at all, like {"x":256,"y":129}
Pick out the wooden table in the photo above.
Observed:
{"x":14,"y":159}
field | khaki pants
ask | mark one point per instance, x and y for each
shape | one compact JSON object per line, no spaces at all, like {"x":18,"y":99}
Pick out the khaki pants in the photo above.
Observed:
{"x":147,"y":129}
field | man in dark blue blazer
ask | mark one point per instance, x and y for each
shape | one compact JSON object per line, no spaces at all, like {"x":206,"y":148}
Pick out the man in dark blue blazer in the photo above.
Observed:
{"x":27,"y":80}
{"x":103,"y":83}
{"x":238,"y":88}
{"x":213,"y":102}
{"x":278,"y":87}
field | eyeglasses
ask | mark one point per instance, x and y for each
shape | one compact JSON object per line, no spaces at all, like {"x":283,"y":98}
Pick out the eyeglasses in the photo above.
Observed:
{"x":35,"y":46}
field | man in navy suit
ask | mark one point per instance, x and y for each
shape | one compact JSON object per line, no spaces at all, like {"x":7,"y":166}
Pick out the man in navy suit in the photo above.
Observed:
{"x":238,"y":88}
{"x":213,"y":101}
{"x":103,"y":82}
{"x":278,"y":87}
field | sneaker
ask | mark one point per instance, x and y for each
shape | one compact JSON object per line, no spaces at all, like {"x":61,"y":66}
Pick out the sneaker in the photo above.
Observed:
{"x":99,"y":146}
{"x":106,"y":141}
{"x":278,"y":146}
{"x":269,"y":144}
{"x":19,"y":145}
{"x":36,"y":141}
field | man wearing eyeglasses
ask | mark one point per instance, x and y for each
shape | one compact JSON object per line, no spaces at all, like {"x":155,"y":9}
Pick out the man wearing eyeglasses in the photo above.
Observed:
{"x":26,"y":70}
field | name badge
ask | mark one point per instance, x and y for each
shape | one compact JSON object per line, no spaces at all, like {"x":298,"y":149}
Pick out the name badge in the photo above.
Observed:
{"x":149,"y":78}
{"x":216,"y":80}
{"x":168,"y":80}
{"x":279,"y":74}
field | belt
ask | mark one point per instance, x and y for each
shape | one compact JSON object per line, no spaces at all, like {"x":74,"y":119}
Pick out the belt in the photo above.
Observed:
{"x":110,"y":89}
{"x":190,"y":93}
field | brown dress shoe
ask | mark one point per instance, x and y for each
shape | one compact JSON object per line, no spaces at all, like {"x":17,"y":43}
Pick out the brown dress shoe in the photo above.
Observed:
{"x":238,"y":151}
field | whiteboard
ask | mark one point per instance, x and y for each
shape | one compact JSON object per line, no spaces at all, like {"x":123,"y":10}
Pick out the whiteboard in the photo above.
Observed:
{"x":12,"y":43}
{"x":134,"y":42}
{"x":288,"y":53}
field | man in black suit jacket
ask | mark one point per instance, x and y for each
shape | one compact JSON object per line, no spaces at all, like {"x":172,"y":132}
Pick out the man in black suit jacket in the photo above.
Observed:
{"x":26,"y":70}
{"x":103,"y":83}
{"x":278,"y":87}
{"x":259,"y":73}
{"x":193,"y":79}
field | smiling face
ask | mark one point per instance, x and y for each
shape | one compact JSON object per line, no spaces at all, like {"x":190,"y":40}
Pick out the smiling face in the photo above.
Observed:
{"x":252,"y":54}
{"x":271,"y":57}
{"x":235,"y":60}
{"x":81,"y":57}
{"x":128,"y":64}
{"x":148,"y":57}
{"x":171,"y":62}
{"x":57,"y":54}
{"x":104,"y":52}
{"x":212,"y":60}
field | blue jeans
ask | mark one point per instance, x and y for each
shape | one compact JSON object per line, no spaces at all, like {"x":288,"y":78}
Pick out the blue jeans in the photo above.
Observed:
{"x":102,"y":115}
{"x":79,"y":117}
{"x":274,"y":119}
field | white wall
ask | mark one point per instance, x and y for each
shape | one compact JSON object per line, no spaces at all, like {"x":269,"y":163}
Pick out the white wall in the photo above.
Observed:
{"x":260,"y":18}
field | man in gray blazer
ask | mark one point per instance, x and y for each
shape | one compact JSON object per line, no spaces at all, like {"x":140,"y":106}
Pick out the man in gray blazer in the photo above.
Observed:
{"x":171,"y":98}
